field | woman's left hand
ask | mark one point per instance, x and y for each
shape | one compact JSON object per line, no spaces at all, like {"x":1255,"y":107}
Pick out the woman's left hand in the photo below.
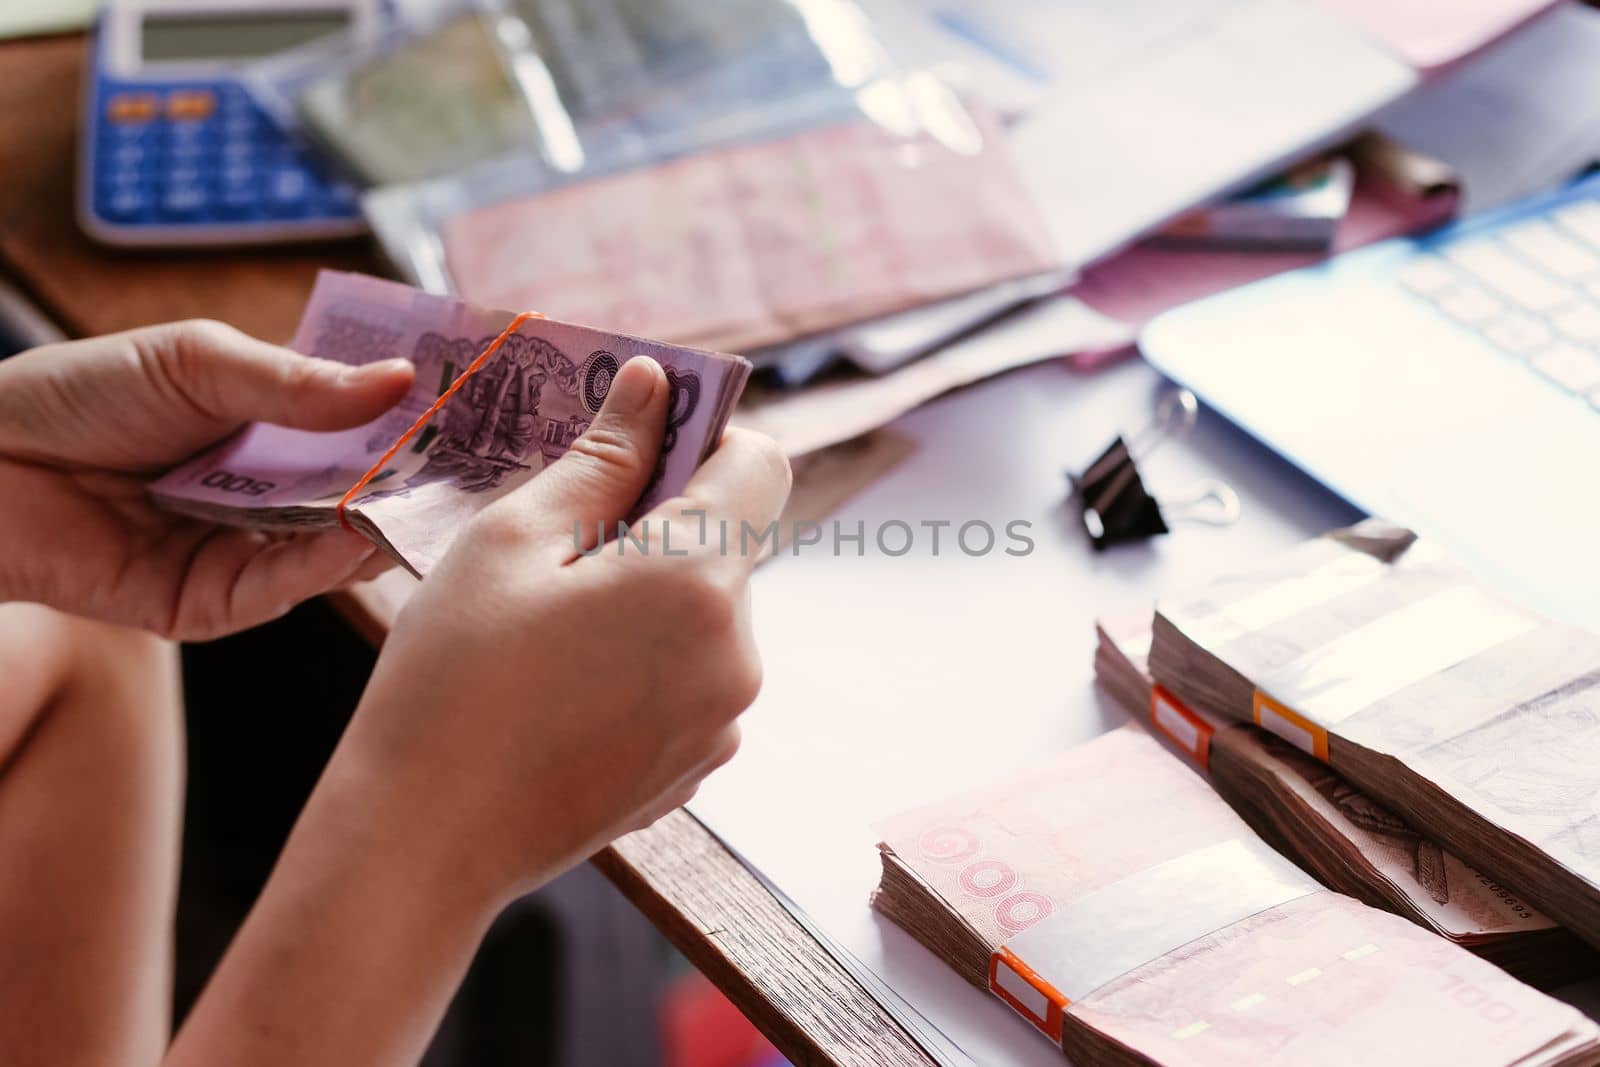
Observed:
{"x":84,"y":425}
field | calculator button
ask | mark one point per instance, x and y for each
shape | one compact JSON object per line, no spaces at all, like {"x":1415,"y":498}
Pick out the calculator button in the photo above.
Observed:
{"x":238,"y":154}
{"x":184,"y":176}
{"x":238,"y":174}
{"x":189,"y":105}
{"x":113,"y":137}
{"x":117,"y":181}
{"x":184,"y":200}
{"x":129,"y":108}
{"x":289,"y":187}
{"x":185,"y":141}
{"x":188,"y":132}
{"x":128,"y":158}
{"x":188,"y":152}
{"x":124,"y":203}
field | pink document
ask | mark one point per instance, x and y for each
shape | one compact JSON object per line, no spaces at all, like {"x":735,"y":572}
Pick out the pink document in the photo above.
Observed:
{"x":755,"y":244}
{"x":1430,"y":34}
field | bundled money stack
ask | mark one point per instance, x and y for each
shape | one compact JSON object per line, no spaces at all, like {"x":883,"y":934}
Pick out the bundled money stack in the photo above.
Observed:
{"x":1116,"y":903}
{"x":516,"y":415}
{"x":1352,"y":844}
{"x":1454,"y":708}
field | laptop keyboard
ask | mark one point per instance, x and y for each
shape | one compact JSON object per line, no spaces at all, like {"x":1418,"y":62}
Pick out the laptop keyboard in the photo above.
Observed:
{"x":1530,"y":288}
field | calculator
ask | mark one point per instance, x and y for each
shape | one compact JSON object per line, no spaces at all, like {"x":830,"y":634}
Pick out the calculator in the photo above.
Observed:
{"x":174,"y":149}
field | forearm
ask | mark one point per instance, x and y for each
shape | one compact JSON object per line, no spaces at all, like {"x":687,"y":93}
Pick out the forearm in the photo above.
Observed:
{"x":353,"y":950}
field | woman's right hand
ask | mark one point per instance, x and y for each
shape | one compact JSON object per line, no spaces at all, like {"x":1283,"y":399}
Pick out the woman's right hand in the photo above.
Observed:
{"x":533,"y":702}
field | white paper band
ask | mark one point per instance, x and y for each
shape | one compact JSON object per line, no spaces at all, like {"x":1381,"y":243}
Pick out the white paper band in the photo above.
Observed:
{"x":1350,"y":673}
{"x":1090,"y":941}
{"x":1289,"y":597}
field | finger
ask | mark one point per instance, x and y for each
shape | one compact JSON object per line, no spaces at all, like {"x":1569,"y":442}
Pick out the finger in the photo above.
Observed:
{"x":236,"y":579}
{"x":600,"y":478}
{"x":741,"y":490}
{"x":379,"y":563}
{"x":233,"y":378}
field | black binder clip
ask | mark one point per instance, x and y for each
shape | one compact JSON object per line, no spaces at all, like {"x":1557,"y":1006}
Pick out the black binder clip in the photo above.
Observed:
{"x":1116,"y":506}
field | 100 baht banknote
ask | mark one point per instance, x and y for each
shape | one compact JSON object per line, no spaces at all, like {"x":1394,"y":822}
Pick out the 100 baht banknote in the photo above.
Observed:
{"x":519,"y":413}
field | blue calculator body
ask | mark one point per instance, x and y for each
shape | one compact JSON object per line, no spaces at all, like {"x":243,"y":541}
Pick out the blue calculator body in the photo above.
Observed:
{"x":175,"y":152}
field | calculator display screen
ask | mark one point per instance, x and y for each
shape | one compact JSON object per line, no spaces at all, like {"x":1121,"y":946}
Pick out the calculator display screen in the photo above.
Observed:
{"x":258,"y":33}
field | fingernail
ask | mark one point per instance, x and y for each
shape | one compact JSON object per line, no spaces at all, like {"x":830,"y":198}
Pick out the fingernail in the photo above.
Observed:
{"x":633,"y":386}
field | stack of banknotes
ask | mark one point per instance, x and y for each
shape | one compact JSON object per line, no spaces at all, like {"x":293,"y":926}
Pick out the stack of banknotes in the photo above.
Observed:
{"x":1115,"y":902}
{"x":1352,"y":844}
{"x":516,"y":415}
{"x":1459,"y":711}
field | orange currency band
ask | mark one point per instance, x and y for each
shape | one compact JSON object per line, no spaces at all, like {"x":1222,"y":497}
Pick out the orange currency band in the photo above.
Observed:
{"x":1186,"y":729}
{"x":1007,"y":975}
{"x":433,"y":409}
{"x":1276,"y":717}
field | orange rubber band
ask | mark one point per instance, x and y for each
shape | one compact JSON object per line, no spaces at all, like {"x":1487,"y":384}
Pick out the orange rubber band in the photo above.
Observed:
{"x":433,"y":409}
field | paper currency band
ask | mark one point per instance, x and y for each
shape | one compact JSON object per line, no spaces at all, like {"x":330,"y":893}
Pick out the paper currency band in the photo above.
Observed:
{"x":1186,"y":729}
{"x":1290,"y":725}
{"x":1088,"y":942}
{"x":1029,"y":995}
{"x":1310,"y":695}
{"x":1346,"y":571}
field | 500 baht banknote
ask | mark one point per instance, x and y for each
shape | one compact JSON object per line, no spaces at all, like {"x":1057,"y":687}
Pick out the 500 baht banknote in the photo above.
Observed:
{"x":512,"y":418}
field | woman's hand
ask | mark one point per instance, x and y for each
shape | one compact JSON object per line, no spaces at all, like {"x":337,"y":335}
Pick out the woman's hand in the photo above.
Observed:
{"x":531,"y":704}
{"x":85,"y":424}
{"x":535,"y":702}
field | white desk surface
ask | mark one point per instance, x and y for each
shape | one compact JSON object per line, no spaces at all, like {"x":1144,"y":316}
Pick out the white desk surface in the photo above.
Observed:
{"x":891,"y":681}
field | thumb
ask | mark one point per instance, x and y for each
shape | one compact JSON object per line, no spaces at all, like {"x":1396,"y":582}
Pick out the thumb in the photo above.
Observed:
{"x":602,"y":475}
{"x":234,"y":378}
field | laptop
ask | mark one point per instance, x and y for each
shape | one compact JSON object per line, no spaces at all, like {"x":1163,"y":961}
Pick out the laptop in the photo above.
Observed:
{"x":1449,"y":381}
